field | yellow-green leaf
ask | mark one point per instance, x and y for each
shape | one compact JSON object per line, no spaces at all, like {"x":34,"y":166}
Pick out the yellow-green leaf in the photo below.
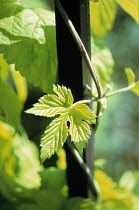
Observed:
{"x":78,"y":116}
{"x":131,"y":7}
{"x":54,"y":137}
{"x":21,"y":85}
{"x":53,"y":104}
{"x":131,"y":80}
{"x":136,"y":88}
{"x":4,"y":68}
{"x":130,"y":76}
{"x":102,"y":16}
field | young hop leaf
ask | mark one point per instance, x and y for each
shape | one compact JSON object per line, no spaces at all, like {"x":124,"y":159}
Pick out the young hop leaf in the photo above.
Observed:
{"x":77,"y":115}
{"x":131,"y":81}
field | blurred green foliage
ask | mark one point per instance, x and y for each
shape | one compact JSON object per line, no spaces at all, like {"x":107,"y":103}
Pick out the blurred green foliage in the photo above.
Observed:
{"x":118,"y":129}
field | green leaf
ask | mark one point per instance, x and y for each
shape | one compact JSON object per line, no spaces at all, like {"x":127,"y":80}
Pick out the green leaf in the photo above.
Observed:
{"x":4,"y":68}
{"x":65,"y":94}
{"x":43,"y":200}
{"x":130,"y":181}
{"x":80,"y":146}
{"x":131,"y":81}
{"x":79,"y":204}
{"x":130,"y":76}
{"x":19,"y":165}
{"x":102,"y":60}
{"x":102,"y":16}
{"x":7,"y":7}
{"x":53,"y":178}
{"x":79,"y":130}
{"x":136,"y":88}
{"x":51,"y":105}
{"x":54,"y":137}
{"x":78,"y":115}
{"x":30,"y":34}
{"x":10,"y":107}
{"x":83,"y":112}
{"x":131,"y":7}
{"x":21,"y":85}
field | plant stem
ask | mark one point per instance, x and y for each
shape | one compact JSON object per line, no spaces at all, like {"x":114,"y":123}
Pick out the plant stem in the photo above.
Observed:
{"x":120,"y":90}
{"x":80,"y":45}
{"x":87,"y":101}
{"x":92,"y":182}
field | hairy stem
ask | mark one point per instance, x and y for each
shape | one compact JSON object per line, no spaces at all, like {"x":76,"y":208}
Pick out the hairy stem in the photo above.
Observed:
{"x":120,"y":90}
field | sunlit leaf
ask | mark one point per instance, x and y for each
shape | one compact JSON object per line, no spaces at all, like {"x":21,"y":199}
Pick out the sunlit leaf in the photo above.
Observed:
{"x":79,"y":130}
{"x":131,"y":7}
{"x":54,"y":137}
{"x":102,"y":16}
{"x":73,"y":120}
{"x":51,"y":104}
{"x":65,"y":94}
{"x":30,"y":34}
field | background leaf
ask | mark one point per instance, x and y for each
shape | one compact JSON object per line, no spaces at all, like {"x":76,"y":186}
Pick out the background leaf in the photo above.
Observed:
{"x":19,"y":165}
{"x":79,"y":204}
{"x":102,"y":60}
{"x":102,"y":16}
{"x":44,"y":200}
{"x":136,"y":88}
{"x":30,"y":34}
{"x":53,"y":178}
{"x":21,"y":85}
{"x":112,"y":195}
{"x":4,"y":68}
{"x":131,"y":7}
{"x":130,"y":76}
{"x":131,"y":80}
{"x":10,"y":106}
